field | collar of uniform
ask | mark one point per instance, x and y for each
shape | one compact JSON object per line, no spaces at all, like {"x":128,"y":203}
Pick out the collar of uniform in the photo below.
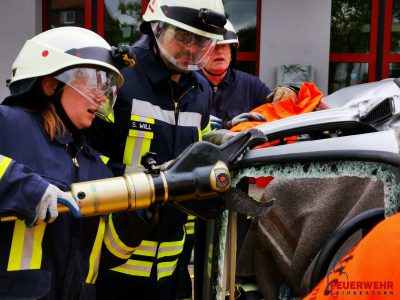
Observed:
{"x":79,"y":139}
{"x":230,"y":77}
{"x":64,"y":139}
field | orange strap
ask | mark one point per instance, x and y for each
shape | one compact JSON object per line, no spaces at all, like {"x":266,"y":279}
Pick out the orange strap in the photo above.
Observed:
{"x":370,"y":271}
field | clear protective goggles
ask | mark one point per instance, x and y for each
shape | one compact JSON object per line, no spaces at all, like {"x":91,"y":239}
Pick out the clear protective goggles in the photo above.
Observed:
{"x":97,"y":86}
{"x":186,"y":50}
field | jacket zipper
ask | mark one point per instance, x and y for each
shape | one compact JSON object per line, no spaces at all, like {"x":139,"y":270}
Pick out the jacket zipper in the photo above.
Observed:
{"x":75,"y":163}
{"x":176,"y":103}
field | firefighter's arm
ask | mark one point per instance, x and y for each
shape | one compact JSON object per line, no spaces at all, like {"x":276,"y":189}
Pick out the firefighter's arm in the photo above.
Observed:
{"x":123,"y":234}
{"x":20,"y":189}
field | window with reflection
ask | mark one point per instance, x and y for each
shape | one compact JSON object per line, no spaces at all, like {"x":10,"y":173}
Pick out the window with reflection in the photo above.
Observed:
{"x":350,"y":38}
{"x":350,"y":26}
{"x":65,"y":13}
{"x":395,"y":37}
{"x":243,"y":16}
{"x":122,"y":19}
{"x":394,"y":70}
{"x":342,"y":74}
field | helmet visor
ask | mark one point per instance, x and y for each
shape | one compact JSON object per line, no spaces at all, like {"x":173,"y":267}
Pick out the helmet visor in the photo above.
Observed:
{"x":97,"y":86}
{"x":186,"y":50}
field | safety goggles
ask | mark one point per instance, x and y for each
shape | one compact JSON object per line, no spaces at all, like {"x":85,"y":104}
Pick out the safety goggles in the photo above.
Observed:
{"x":193,"y":46}
{"x":96,"y":86}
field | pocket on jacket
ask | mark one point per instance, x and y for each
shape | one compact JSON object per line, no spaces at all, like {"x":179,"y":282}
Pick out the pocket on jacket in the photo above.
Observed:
{"x":24,"y":284}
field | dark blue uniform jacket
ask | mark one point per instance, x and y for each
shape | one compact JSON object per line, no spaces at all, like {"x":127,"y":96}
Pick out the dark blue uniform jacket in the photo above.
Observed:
{"x":239,"y":92}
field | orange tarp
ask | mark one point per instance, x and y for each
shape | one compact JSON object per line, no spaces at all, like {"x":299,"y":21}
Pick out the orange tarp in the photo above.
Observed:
{"x":308,"y":98}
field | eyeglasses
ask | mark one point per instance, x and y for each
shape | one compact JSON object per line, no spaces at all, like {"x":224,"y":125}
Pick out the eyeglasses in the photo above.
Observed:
{"x":188,"y":38}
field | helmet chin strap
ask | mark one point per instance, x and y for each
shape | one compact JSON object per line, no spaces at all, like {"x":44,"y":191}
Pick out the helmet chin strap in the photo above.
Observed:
{"x":214,"y":74}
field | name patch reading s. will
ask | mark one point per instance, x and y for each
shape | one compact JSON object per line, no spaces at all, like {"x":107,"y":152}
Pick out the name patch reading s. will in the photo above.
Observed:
{"x":142,"y":126}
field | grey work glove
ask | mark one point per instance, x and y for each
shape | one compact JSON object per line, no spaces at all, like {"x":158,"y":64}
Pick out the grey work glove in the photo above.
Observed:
{"x":46,"y":209}
{"x":218,"y":137}
{"x":283,"y":92}
{"x":244,"y":117}
{"x":216,"y":123}
{"x":238,"y":201}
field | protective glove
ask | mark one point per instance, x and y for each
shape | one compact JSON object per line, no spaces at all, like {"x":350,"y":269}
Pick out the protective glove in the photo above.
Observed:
{"x":244,"y":117}
{"x":238,"y":201}
{"x":218,"y":137}
{"x":216,"y":123}
{"x":283,"y":92}
{"x":46,"y":209}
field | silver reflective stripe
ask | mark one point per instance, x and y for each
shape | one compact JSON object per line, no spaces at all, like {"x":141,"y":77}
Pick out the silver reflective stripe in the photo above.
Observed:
{"x":169,"y":250}
{"x":186,"y":119}
{"x":165,"y":269}
{"x":27,"y":248}
{"x":114,"y":247}
{"x":144,"y":108}
{"x":135,"y":268}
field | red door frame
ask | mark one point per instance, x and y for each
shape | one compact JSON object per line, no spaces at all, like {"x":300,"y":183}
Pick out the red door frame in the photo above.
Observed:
{"x":387,"y":56}
{"x":364,"y":58}
{"x":253,"y":56}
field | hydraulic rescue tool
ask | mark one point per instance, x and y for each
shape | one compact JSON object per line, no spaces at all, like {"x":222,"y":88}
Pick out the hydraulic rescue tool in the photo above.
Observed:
{"x":200,"y":172}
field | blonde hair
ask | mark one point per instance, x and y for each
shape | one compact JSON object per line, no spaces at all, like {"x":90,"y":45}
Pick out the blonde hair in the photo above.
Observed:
{"x":52,"y":123}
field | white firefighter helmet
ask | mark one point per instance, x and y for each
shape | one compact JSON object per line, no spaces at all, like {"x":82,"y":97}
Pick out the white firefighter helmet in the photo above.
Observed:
{"x":205,"y":17}
{"x":186,"y":31}
{"x":230,"y":36}
{"x":58,"y":50}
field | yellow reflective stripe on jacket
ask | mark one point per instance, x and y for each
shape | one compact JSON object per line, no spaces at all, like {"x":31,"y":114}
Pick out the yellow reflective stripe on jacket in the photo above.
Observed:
{"x":94,"y":258}
{"x":105,"y":159}
{"x":171,"y":248}
{"x":135,"y":268}
{"x":189,"y":226}
{"x":114,"y":244}
{"x":4,"y":163}
{"x":206,"y":130}
{"x":138,"y":143}
{"x":146,"y":248}
{"x":165,"y":269}
{"x":26,"y":247}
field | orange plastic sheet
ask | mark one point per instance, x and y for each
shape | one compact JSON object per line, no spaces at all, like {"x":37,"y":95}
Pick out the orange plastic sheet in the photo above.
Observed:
{"x":307,"y":100}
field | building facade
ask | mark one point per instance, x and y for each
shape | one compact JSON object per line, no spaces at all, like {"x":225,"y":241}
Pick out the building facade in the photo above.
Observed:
{"x":344,"y":42}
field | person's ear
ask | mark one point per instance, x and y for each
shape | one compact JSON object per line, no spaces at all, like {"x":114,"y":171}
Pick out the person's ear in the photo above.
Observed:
{"x":49,"y":85}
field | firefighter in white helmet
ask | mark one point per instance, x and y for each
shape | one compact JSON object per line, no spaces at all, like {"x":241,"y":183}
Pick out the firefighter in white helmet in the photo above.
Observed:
{"x":163,"y":107}
{"x":61,"y":79}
